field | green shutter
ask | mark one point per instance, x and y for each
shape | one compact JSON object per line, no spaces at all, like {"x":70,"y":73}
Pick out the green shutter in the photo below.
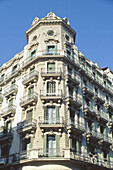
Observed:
{"x":45,"y":114}
{"x":51,"y":115}
{"x":105,"y":133}
{"x":31,"y":142}
{"x":71,"y":55}
{"x":77,"y":147}
{"x":29,"y":115}
{"x":70,"y":142}
{"x":57,"y":144}
{"x":57,"y":114}
{"x":55,"y":49}
{"x":45,"y":144}
{"x":93,"y":126}
{"x":46,"y":49}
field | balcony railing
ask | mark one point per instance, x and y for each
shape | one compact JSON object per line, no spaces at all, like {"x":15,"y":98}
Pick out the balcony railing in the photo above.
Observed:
{"x":11,"y":109}
{"x":12,"y":89}
{"x":74,"y":77}
{"x":30,"y":98}
{"x":11,"y":74}
{"x":89,"y":110}
{"x":33,"y":75}
{"x":26,"y":124}
{"x":102,"y":115}
{"x":76,"y":98}
{"x":51,"y":52}
{"x":29,"y":59}
{"x":51,"y":121}
{"x":88,"y":89}
{"x":80,"y":125}
{"x":46,"y":71}
{"x":57,"y":93}
{"x":94,"y":134}
{"x":9,"y":159}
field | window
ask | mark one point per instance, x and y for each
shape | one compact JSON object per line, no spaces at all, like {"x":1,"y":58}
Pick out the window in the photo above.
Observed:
{"x":50,"y":67}
{"x":51,"y":49}
{"x":30,"y":91}
{"x":25,"y":144}
{"x":32,"y":54}
{"x":51,"y":115}
{"x":51,"y":88}
{"x":10,"y":103}
{"x":8,"y":126}
{"x":50,"y":32}
{"x":51,"y":145}
{"x":14,"y":69}
{"x":5,"y":150}
{"x":29,"y":115}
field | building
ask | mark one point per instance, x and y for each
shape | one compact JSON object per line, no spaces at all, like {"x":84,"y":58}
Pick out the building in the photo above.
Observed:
{"x":56,"y":106}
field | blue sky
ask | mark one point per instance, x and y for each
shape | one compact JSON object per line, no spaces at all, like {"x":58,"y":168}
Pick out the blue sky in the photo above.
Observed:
{"x":91,"y":19}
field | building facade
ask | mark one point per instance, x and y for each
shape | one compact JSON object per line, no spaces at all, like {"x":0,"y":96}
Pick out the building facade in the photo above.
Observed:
{"x":56,"y":106}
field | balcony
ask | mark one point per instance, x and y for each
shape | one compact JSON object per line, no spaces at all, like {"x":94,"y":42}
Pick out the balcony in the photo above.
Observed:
{"x":45,"y":73}
{"x":105,"y":141}
{"x":11,"y":91}
{"x":89,"y":111}
{"x":1,"y":98}
{"x":53,"y":123}
{"x":9,"y":159}
{"x":45,"y":96}
{"x":29,"y":100}
{"x":29,"y":60}
{"x":32,"y":77}
{"x":51,"y":53}
{"x":93,"y":136}
{"x":103,"y":117}
{"x":78,"y":128}
{"x":27,"y":126}
{"x":52,"y":153}
{"x":75,"y":78}
{"x":6,"y":136}
{"x":8,"y":111}
{"x":74,"y":100}
{"x":12,"y":74}
{"x":110,"y":124}
{"x":109,"y":105}
{"x":1,"y":80}
{"x":88,"y":90}
{"x":99,"y":97}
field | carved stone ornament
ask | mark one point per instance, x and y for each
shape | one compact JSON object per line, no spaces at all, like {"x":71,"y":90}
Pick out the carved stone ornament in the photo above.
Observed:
{"x":51,"y":15}
{"x":35,"y":21}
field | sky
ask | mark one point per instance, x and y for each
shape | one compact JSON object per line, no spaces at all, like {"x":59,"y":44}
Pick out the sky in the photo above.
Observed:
{"x":91,"y":19}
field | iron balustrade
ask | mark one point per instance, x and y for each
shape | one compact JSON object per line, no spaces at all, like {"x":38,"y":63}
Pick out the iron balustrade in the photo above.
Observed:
{"x":57,"y":93}
{"x":103,"y":115}
{"x":48,"y":71}
{"x":51,"y":121}
{"x":76,"y":125}
{"x":10,"y":89}
{"x":76,"y":98}
{"x":51,"y":52}
{"x":30,"y":75}
{"x":27,"y":123}
{"x":29,"y":97}
{"x":11,"y":108}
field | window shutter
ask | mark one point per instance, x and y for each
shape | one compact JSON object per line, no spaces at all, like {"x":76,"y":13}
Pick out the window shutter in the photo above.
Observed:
{"x":31,"y":142}
{"x":57,"y":144}
{"x":77,"y":147}
{"x":45,"y":114}
{"x":55,"y":49}
{"x":44,"y":144}
{"x":46,"y":49}
{"x":57,"y":114}
{"x":29,"y":115}
{"x":70,"y":140}
{"x":105,"y":133}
